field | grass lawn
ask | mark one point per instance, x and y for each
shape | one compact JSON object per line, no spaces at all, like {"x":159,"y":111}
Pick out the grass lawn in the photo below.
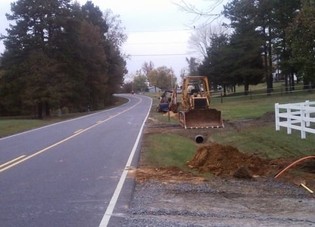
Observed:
{"x":244,"y":107}
{"x":12,"y":126}
{"x":163,"y":150}
{"x":268,"y":143}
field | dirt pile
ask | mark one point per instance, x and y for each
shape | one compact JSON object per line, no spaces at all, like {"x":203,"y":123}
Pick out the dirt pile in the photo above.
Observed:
{"x":222,"y":160}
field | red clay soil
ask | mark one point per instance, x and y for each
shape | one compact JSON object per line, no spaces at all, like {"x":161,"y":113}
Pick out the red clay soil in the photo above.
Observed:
{"x":222,"y":160}
{"x":227,"y":161}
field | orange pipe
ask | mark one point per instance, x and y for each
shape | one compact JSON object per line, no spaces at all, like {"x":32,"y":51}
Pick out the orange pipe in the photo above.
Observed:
{"x":294,"y":163}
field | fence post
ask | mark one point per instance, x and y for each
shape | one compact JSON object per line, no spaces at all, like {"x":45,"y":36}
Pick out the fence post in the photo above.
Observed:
{"x":303,"y":134}
{"x":289,"y":129}
{"x":307,"y":113}
{"x":277,"y":116}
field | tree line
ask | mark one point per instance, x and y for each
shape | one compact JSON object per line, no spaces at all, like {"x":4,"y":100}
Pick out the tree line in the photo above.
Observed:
{"x":149,"y":76}
{"x":60,"y":56}
{"x":271,"y":39}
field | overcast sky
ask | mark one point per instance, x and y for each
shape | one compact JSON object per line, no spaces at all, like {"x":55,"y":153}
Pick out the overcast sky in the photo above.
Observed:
{"x":157,"y":30}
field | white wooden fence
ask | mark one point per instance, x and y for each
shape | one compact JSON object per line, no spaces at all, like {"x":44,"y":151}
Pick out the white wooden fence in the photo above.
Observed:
{"x":298,"y":116}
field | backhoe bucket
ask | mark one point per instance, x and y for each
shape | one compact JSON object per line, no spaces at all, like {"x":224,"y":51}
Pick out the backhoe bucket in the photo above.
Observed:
{"x":197,"y":118}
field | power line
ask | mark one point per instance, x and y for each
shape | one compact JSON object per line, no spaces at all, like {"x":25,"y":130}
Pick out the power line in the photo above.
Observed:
{"x":155,"y":55}
{"x":155,"y":31}
{"x":157,"y":43}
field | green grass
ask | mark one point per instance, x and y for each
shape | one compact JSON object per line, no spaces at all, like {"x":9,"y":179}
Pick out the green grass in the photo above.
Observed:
{"x":266,"y":142}
{"x":12,"y":126}
{"x":245,"y":107}
{"x":167,"y":150}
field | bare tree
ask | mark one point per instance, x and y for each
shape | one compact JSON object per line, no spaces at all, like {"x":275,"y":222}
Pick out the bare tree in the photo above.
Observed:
{"x":147,"y":67}
{"x":207,"y":12}
{"x":200,"y":39}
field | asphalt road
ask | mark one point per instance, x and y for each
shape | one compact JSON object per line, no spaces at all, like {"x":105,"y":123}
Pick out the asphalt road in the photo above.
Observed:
{"x":71,"y":173}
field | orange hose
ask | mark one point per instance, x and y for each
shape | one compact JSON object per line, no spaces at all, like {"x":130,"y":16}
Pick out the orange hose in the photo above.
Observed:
{"x":294,"y":163}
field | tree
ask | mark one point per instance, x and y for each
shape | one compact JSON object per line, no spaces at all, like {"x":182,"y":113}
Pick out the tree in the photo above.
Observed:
{"x":192,"y":66}
{"x":270,"y":18}
{"x":248,"y":66}
{"x":127,"y":87}
{"x":206,"y":13}
{"x":163,"y":78}
{"x":283,"y":16}
{"x":301,"y":36}
{"x":273,"y":18}
{"x":139,"y":83}
{"x":152,"y":77}
{"x":147,"y":67}
{"x":115,"y":32}
{"x":112,"y":37}
{"x":219,"y":63}
{"x":34,"y":34}
{"x":115,"y":38}
{"x":78,"y":52}
{"x":265,"y":24}
{"x":200,"y":40}
{"x":234,"y":60}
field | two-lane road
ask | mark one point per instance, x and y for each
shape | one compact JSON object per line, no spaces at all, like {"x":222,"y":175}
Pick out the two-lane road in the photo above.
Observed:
{"x":70,"y":173}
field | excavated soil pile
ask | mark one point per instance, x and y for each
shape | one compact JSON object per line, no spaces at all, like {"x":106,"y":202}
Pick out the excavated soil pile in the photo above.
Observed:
{"x":222,"y":160}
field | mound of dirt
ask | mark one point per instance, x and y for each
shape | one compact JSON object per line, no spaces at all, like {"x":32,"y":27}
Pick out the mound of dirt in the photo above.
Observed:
{"x":222,"y":160}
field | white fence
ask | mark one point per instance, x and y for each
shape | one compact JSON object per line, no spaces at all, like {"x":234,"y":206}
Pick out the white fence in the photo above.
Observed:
{"x":298,"y":116}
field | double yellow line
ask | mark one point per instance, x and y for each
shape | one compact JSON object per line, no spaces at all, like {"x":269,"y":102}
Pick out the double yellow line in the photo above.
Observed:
{"x":23,"y":158}
{"x":12,"y":163}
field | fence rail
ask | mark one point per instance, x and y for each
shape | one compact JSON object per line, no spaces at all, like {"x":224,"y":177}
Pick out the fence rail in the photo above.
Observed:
{"x":253,"y":94}
{"x":298,"y":116}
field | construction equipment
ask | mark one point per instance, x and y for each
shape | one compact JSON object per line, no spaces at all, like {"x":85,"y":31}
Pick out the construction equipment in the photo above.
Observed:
{"x":168,"y":101}
{"x":196,"y":111}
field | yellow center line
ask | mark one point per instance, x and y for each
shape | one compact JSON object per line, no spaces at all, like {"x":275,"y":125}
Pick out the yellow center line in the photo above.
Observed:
{"x":11,"y":163}
{"x":78,"y":131}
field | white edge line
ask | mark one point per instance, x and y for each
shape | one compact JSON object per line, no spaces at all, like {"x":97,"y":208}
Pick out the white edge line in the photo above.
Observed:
{"x":113,"y":201}
{"x":73,"y":119}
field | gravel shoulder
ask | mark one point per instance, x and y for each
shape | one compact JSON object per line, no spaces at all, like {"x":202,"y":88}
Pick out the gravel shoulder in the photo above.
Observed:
{"x":219,"y":202}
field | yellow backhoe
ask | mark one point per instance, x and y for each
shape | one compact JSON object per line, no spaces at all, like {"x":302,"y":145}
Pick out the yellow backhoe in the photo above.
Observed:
{"x":168,"y":101}
{"x":196,"y":111}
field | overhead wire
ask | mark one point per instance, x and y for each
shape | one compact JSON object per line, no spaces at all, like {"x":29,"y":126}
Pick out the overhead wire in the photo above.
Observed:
{"x":156,"y":55}
{"x":161,"y":30}
{"x":208,"y":12}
